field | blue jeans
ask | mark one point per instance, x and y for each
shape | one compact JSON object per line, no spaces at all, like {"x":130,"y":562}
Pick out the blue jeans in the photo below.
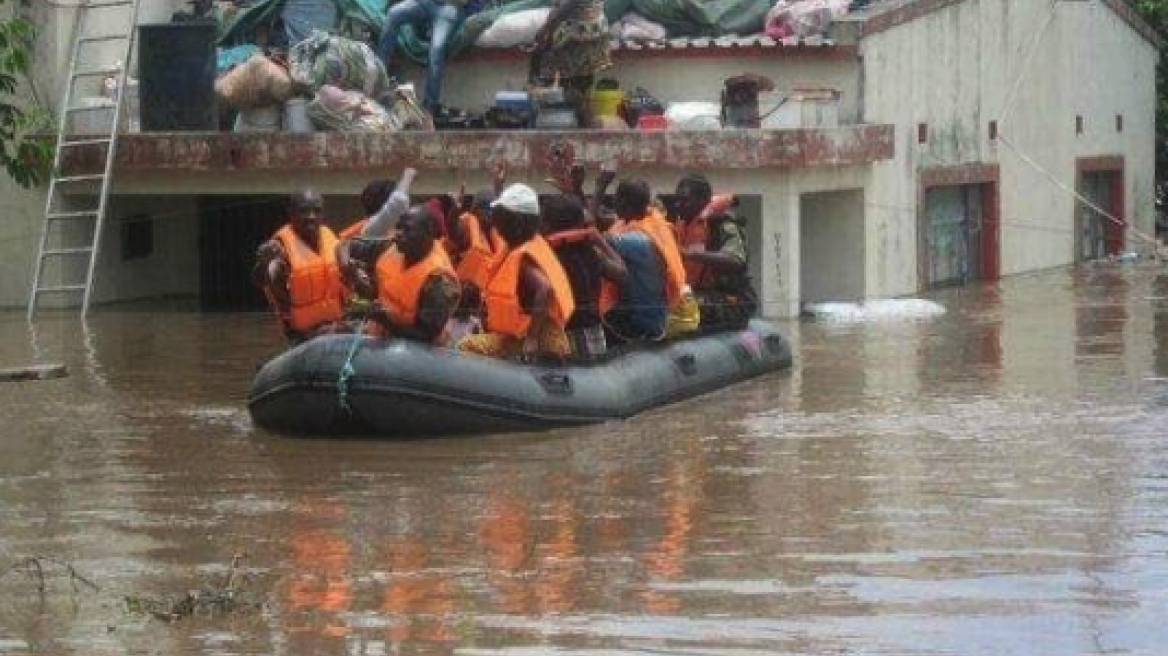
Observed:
{"x":444,"y":20}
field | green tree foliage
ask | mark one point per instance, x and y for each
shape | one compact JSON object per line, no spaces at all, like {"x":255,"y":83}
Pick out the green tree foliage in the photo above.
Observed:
{"x":24,"y":156}
{"x":1155,"y":12}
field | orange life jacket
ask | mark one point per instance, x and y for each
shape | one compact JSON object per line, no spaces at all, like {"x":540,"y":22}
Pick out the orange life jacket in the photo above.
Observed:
{"x":505,"y":313}
{"x":353,"y":230}
{"x":696,"y":233}
{"x":479,"y":260}
{"x":314,"y":284}
{"x":661,"y":232}
{"x":400,"y":288}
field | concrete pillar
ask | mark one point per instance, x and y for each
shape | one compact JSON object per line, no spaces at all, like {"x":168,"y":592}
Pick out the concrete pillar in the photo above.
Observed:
{"x":779,"y":282}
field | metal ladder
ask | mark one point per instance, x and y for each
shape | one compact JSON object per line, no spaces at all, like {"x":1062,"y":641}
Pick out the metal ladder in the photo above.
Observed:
{"x":56,"y":245}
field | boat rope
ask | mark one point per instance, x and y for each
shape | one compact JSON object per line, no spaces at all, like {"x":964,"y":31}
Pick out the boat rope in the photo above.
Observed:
{"x":347,"y":369}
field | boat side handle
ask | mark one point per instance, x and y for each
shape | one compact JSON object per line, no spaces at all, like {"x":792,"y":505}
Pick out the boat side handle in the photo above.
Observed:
{"x":688,"y":363}
{"x":555,"y":382}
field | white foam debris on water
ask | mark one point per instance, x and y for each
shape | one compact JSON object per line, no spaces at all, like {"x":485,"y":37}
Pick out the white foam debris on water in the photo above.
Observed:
{"x":888,"y":309}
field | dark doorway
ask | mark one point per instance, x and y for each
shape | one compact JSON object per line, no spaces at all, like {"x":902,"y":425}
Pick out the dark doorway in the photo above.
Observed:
{"x":1098,"y":235}
{"x":230,"y":230}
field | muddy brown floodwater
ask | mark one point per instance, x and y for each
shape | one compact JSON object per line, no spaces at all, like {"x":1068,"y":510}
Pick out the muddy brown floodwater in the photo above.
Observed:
{"x":993,"y":481}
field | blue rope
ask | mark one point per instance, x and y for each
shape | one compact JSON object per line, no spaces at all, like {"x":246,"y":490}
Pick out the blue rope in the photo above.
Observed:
{"x":347,"y":371}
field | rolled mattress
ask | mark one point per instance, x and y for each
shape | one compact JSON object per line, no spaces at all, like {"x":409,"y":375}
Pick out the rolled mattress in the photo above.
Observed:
{"x":398,"y":388}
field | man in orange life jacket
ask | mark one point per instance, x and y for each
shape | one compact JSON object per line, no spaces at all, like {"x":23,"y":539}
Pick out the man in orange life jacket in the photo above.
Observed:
{"x":298,"y":272}
{"x":715,"y":251}
{"x":528,"y":298}
{"x":417,"y":289}
{"x":656,"y":276}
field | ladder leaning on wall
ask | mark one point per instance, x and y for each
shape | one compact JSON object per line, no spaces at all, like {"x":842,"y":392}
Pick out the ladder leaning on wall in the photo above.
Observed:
{"x":70,"y":235}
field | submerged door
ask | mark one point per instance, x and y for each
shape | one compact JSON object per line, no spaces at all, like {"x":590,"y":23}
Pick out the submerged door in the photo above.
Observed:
{"x":1096,"y":234}
{"x":952,"y":235}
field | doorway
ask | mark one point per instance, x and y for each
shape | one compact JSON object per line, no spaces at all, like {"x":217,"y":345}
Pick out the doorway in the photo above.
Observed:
{"x":1098,"y":235}
{"x":958,"y":229}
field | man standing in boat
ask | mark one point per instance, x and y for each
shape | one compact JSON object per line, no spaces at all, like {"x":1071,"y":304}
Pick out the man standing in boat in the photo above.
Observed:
{"x":528,"y":298}
{"x":713,"y":242}
{"x":417,"y":288}
{"x":297,"y":269}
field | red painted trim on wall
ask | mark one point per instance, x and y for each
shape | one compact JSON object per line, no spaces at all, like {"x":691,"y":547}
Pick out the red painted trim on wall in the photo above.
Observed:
{"x":987,"y":175}
{"x":183,"y":154}
{"x":1114,"y":234}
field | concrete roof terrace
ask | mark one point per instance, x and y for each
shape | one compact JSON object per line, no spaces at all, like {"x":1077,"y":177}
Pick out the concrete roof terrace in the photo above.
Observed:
{"x":152,"y":162}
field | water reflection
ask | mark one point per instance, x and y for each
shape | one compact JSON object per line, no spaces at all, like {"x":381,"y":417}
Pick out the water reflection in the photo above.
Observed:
{"x":987,"y":482}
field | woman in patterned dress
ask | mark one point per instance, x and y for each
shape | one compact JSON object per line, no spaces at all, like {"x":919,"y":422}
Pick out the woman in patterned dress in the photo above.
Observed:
{"x":573,"y":46}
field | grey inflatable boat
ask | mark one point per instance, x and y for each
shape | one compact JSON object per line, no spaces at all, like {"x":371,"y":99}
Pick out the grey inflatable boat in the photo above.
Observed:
{"x":397,"y":388}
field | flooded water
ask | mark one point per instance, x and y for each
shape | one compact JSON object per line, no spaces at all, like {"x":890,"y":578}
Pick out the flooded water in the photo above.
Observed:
{"x":992,"y":481}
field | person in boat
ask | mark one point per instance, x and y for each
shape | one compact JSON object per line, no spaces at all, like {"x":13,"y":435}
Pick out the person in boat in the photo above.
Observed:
{"x":355,"y":256}
{"x":528,"y":299}
{"x":297,"y":269}
{"x":588,"y":260}
{"x":714,"y":247}
{"x":417,"y":288}
{"x":655,"y":278}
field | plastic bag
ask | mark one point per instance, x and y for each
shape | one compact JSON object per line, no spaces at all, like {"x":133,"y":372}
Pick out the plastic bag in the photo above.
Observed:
{"x":803,"y":18}
{"x":695,"y":115}
{"x":637,"y":28}
{"x":515,"y":29}
{"x":349,"y":111}
{"x":258,"y":82}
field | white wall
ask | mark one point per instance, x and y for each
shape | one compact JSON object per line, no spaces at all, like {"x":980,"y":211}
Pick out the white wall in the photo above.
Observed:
{"x":832,"y":246}
{"x":954,"y":69}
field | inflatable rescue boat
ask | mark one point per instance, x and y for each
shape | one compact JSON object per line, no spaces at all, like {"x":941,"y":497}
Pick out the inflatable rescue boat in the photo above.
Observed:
{"x":352,"y":385}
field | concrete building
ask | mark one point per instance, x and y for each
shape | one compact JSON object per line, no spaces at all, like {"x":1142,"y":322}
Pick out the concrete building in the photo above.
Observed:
{"x":963,"y":129}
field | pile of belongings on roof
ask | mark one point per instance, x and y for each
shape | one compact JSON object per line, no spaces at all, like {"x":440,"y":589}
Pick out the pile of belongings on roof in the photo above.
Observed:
{"x":645,"y":20}
{"x":339,"y":81}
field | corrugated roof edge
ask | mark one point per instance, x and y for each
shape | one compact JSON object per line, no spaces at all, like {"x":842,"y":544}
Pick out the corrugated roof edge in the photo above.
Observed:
{"x":884,"y":16}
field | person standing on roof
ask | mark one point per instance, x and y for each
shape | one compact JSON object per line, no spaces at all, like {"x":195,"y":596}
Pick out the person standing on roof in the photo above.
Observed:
{"x":573,"y":46}
{"x":528,"y":298}
{"x":297,"y":269}
{"x":714,"y":246}
{"x":443,"y":17}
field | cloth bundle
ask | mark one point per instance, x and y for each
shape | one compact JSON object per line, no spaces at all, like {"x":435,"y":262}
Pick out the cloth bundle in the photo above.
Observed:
{"x":326,"y":60}
{"x":803,"y":18}
{"x":258,"y":82}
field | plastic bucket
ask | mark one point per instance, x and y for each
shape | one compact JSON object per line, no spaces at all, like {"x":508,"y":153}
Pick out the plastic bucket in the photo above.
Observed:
{"x":606,"y":102}
{"x":296,"y":116}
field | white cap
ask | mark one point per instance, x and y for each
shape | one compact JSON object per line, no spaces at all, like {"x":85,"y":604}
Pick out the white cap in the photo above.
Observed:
{"x":518,"y":198}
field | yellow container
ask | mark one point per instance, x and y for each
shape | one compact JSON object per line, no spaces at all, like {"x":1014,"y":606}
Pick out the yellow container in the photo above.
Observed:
{"x":606,"y":102}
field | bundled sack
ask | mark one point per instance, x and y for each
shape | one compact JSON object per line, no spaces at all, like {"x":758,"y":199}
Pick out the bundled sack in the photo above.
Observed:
{"x":636,"y":28}
{"x":258,"y":82}
{"x":325,"y":60}
{"x":803,"y":18}
{"x":514,"y":29}
{"x":349,"y":111}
